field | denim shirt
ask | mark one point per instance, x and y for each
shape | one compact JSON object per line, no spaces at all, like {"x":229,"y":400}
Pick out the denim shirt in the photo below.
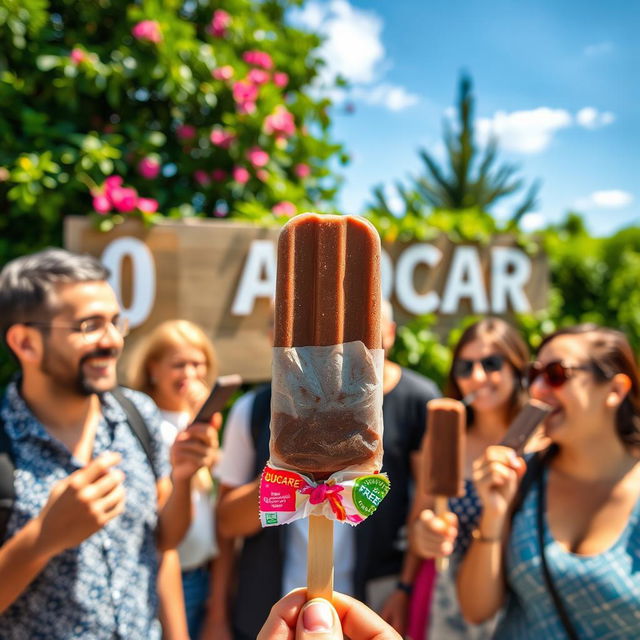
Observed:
{"x":106,"y":586}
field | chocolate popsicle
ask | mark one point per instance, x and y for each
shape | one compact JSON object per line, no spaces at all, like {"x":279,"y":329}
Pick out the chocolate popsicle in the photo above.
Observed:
{"x":327,"y":293}
{"x":444,"y":448}
{"x":525,"y":424}
{"x":443,"y":455}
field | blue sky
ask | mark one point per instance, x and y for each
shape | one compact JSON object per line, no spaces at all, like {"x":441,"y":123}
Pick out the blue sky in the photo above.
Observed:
{"x":556,"y":82}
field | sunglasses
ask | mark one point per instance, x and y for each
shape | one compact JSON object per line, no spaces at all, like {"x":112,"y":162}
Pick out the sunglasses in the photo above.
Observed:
{"x":463,"y":368}
{"x":554,"y":373}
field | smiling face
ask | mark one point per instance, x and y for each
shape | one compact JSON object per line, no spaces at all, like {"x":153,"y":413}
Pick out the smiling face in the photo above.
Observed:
{"x":77,"y":362}
{"x":492,"y":384}
{"x":179,"y":374}
{"x":579,"y":405}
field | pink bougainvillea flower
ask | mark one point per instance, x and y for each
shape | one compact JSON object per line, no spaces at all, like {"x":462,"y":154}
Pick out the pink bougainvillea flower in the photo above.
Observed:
{"x":241,"y":175}
{"x":245,"y":91}
{"x":124,"y":199}
{"x":258,"y":59}
{"x":302,"y":170}
{"x":201,"y":177}
{"x":221,"y":137}
{"x":148,"y":30}
{"x":219,"y":175}
{"x":77,"y":55}
{"x":284,"y":208}
{"x":147,"y":205}
{"x":257,"y":157}
{"x":258,"y":76}
{"x":101,"y":204}
{"x":149,"y":167}
{"x":112,"y":182}
{"x":186,"y":132}
{"x":219,"y":23}
{"x":223,"y":73}
{"x":280,"y":79}
{"x":247,"y":107}
{"x":280,"y":122}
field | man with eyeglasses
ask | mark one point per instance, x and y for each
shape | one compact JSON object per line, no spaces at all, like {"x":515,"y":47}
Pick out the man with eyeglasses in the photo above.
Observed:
{"x":91,"y":509}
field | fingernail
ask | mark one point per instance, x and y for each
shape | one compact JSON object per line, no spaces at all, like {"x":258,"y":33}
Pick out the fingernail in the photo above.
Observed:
{"x":317,"y":617}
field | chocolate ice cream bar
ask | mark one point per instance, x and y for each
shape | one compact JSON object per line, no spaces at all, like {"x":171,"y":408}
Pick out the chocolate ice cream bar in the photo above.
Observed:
{"x":444,"y":448}
{"x":525,"y":424}
{"x":327,"y":293}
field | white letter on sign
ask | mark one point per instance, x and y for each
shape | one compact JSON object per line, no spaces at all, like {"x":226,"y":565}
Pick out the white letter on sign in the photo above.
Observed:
{"x":407,"y":296}
{"x":510,"y":271}
{"x":143,"y":276}
{"x":261,"y":260}
{"x":464,"y":281}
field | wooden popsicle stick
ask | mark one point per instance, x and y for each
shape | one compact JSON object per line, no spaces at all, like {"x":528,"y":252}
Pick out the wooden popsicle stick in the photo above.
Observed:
{"x":442,"y":506}
{"x":320,"y":558}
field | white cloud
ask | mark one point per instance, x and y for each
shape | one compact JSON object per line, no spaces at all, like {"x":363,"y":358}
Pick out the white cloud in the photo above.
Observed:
{"x":532,"y":221}
{"x":598,"y":49}
{"x":524,"y":131}
{"x":394,"y":98}
{"x":591,"y":118}
{"x":606,"y":199}
{"x":353,"y":48}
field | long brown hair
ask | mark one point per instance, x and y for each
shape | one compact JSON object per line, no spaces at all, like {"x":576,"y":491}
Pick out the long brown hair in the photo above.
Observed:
{"x":609,"y":354}
{"x":508,"y":342}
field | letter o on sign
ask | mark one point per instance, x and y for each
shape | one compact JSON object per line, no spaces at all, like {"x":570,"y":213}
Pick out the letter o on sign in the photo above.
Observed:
{"x":143,"y":276}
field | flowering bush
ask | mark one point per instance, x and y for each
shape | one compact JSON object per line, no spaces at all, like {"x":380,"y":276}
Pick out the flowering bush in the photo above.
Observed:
{"x":152,"y":108}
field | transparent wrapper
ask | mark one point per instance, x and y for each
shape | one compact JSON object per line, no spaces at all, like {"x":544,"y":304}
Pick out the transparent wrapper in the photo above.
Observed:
{"x":326,"y":409}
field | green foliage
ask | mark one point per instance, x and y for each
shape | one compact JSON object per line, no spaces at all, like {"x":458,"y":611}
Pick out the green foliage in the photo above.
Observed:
{"x":200,"y":106}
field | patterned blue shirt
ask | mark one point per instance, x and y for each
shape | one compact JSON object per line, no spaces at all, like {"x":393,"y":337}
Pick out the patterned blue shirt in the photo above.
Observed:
{"x":106,"y":586}
{"x":601,"y":593}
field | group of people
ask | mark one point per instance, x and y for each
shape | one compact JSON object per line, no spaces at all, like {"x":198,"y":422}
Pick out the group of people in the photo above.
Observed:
{"x":124,"y":519}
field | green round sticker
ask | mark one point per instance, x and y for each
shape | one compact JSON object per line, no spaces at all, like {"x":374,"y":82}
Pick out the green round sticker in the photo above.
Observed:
{"x":368,"y":493}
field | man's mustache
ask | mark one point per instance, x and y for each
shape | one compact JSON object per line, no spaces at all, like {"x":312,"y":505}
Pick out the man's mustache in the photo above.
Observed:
{"x":100,"y":353}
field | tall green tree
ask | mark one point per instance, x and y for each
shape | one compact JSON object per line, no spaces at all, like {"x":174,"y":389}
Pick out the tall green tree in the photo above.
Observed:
{"x":472,"y":178}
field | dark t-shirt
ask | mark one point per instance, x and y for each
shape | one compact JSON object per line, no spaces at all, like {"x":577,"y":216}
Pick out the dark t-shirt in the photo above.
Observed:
{"x":383,"y":535}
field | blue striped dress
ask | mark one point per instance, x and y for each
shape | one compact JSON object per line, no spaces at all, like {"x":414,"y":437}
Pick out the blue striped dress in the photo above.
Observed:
{"x":601,"y":593}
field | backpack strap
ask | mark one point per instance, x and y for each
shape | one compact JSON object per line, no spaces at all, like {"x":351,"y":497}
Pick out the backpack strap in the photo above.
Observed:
{"x":136,"y":423}
{"x":534,"y":468}
{"x":7,"y":490}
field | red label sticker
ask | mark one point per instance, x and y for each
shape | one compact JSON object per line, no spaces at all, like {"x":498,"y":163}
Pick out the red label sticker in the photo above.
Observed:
{"x":278,"y":490}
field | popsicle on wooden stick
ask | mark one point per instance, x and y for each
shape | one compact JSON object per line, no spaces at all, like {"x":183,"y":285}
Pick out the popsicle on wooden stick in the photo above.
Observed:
{"x":327,"y":293}
{"x":443,"y":454}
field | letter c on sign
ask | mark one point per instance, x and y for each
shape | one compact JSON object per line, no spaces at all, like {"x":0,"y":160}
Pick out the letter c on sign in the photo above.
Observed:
{"x":143,"y":276}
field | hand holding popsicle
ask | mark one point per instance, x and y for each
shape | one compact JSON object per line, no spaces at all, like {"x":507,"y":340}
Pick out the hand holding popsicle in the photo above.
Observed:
{"x":496,"y":476}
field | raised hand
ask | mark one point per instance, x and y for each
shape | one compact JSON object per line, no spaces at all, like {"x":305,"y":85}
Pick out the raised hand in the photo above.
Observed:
{"x":82,"y":503}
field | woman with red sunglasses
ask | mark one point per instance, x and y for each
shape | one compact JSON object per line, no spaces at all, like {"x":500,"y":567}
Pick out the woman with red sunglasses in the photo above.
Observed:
{"x":567,"y":562}
{"x":487,"y":372}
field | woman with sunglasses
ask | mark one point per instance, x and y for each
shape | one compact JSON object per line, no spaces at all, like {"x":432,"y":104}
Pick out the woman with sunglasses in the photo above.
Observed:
{"x":487,"y":369}
{"x":566,"y":562}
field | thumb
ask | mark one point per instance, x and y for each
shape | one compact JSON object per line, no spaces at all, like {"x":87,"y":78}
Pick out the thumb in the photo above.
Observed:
{"x":318,"y":620}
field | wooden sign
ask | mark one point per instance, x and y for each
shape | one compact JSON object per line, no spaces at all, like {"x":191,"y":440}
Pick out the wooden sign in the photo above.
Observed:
{"x":221,"y":275}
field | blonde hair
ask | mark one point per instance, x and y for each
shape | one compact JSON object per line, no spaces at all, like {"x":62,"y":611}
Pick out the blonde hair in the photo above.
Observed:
{"x":168,"y":335}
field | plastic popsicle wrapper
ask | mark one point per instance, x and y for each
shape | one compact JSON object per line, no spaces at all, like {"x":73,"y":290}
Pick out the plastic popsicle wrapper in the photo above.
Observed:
{"x":525,"y":424}
{"x":443,"y":455}
{"x":326,"y":407}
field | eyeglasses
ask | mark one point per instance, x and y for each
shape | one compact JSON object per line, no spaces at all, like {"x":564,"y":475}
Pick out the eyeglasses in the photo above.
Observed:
{"x":463,"y":368}
{"x":92,"y":329}
{"x":554,"y":373}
